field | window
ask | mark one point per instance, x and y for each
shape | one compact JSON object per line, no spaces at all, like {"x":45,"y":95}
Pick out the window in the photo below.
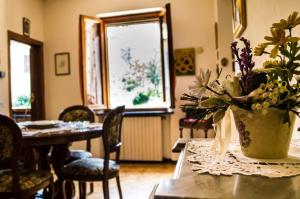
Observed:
{"x":127,"y":59}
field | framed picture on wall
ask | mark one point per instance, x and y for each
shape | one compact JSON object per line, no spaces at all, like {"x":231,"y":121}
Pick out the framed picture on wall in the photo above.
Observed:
{"x":239,"y":22}
{"x":62,"y":63}
{"x":184,"y":60}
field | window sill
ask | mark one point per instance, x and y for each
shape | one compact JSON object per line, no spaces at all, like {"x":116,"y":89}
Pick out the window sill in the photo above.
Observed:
{"x":140,"y":113}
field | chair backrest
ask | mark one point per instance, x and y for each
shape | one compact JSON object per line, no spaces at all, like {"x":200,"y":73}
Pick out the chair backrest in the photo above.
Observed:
{"x":10,"y":148}
{"x":10,"y":139}
{"x":77,"y":113}
{"x":112,"y":127}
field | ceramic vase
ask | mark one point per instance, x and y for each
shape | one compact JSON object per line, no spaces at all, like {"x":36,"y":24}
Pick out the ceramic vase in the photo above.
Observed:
{"x":264,"y":134}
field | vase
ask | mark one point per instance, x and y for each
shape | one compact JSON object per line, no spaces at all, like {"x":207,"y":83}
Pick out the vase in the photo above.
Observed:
{"x":264,"y":134}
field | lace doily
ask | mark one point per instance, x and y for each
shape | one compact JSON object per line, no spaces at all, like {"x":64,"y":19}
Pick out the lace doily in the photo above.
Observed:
{"x":205,"y":160}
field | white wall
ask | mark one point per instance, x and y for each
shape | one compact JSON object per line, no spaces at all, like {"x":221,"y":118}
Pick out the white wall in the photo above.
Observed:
{"x":260,"y":17}
{"x":3,"y":59}
{"x":193,"y":26}
{"x":11,"y":16}
{"x":262,"y":14}
{"x":223,"y":12}
{"x":55,"y":22}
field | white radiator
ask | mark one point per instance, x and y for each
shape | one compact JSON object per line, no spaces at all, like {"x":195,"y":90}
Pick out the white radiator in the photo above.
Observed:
{"x":142,"y":139}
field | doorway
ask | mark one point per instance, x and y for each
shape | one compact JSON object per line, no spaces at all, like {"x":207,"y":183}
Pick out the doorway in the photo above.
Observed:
{"x":26,"y":78}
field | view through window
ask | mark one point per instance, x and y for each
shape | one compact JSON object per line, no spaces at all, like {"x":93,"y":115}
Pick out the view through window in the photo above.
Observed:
{"x":134,"y":59}
{"x":20,"y":75}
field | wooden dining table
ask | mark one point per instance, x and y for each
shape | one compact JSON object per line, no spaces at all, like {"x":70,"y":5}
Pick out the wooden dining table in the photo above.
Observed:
{"x":56,"y":140}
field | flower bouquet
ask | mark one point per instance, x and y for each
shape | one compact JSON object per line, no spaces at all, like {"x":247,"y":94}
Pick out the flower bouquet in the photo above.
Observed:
{"x":264,"y":100}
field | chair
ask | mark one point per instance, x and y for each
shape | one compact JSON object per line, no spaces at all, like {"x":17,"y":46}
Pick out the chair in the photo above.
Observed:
{"x":73,"y":114}
{"x":15,"y":181}
{"x":96,"y":169}
{"x":191,"y":124}
{"x":194,"y":124}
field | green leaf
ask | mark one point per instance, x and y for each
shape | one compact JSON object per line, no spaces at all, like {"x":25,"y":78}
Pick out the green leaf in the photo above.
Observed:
{"x":141,"y":98}
{"x":209,"y":115}
{"x":297,"y":57}
{"x":218,"y":116}
{"x":212,"y":102}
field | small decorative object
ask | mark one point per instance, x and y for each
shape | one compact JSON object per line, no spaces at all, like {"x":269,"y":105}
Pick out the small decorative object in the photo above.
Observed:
{"x":26,"y":26}
{"x":62,"y":63}
{"x":264,"y":101}
{"x":224,"y":62}
{"x":185,"y":61}
{"x":238,"y":17}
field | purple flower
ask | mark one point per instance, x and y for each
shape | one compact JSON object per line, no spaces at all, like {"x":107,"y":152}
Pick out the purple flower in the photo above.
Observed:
{"x":244,"y":59}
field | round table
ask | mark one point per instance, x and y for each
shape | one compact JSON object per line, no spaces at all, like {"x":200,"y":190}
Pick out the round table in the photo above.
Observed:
{"x":58,"y":139}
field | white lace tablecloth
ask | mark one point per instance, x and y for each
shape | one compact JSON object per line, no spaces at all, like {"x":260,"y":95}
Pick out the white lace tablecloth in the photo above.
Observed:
{"x":205,"y":160}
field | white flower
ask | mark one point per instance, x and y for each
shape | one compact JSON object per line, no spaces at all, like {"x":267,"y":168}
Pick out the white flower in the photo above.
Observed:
{"x":201,"y":82}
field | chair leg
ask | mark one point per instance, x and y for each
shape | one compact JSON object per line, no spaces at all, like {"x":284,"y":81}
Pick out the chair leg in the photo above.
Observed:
{"x":82,"y":190}
{"x":205,"y":133}
{"x":91,"y":187}
{"x":63,"y":188}
{"x":105,"y":189}
{"x":119,"y":187}
{"x":51,"y":189}
{"x":180,"y":132}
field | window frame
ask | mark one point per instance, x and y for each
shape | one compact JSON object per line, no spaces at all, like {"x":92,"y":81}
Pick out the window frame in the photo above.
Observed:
{"x":163,"y":16}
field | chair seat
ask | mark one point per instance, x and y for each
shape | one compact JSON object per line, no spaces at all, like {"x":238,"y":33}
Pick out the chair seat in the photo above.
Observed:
{"x":79,"y":154}
{"x":27,"y":180}
{"x":90,"y":169}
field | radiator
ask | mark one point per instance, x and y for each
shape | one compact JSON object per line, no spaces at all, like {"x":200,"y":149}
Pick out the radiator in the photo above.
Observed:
{"x":142,"y":139}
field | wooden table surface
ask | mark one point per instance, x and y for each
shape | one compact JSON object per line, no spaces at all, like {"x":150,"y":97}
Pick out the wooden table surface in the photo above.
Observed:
{"x":189,"y":184}
{"x":57,"y":140}
{"x":42,"y":137}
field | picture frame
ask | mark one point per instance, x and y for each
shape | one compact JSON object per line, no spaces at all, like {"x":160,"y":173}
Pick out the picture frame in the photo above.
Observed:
{"x":62,"y":63}
{"x":239,"y":22}
{"x":184,"y":61}
{"x":26,"y":26}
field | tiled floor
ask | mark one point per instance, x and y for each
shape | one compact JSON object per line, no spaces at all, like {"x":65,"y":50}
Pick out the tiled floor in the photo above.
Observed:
{"x":137,"y":180}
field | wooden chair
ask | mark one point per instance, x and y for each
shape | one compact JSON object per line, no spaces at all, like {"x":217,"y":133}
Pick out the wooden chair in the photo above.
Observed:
{"x":191,"y":124}
{"x":96,"y":169}
{"x":194,"y":124}
{"x":73,"y":114}
{"x":15,"y":181}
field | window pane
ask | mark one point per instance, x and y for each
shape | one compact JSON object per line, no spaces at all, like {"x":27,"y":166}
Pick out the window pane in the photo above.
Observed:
{"x":135,"y":68}
{"x":93,"y":69}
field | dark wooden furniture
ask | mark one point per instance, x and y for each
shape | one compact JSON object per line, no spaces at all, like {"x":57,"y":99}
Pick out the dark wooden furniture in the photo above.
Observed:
{"x":189,"y":184}
{"x":17,"y":181}
{"x":78,"y":113}
{"x":58,"y":142}
{"x":73,"y":114}
{"x":194,"y":124}
{"x":96,"y":169}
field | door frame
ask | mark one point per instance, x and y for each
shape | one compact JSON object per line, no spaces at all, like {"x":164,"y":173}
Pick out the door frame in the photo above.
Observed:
{"x":37,"y":76}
